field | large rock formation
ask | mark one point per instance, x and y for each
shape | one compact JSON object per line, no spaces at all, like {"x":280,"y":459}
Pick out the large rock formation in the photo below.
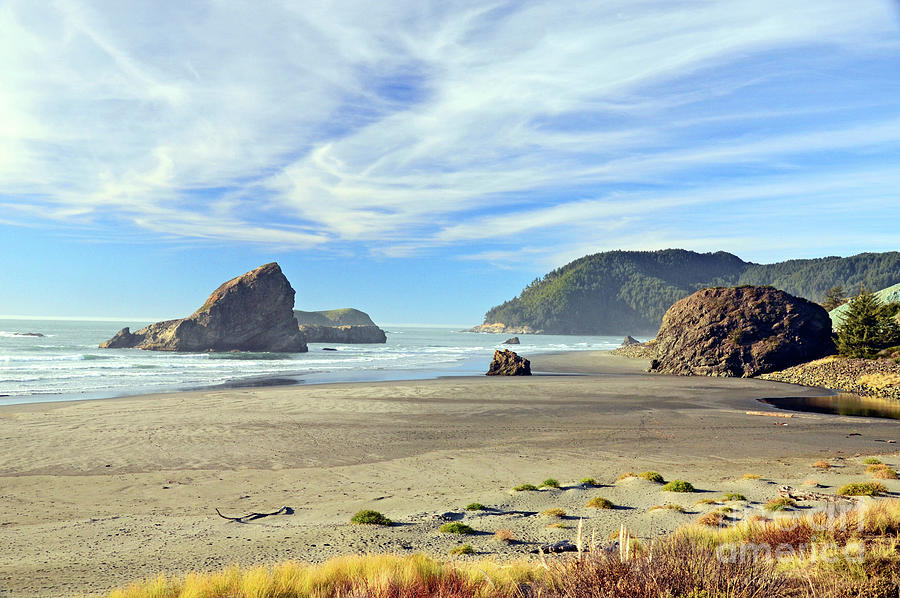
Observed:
{"x":512,"y":341}
{"x":741,"y":331}
{"x":252,"y":312}
{"x":343,"y":334}
{"x":507,"y":363}
{"x":333,"y":317}
{"x":347,"y":326}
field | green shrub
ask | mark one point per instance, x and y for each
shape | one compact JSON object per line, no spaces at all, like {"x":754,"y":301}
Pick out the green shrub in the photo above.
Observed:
{"x":678,"y":486}
{"x":733,"y":496}
{"x":589,"y":482}
{"x":872,"y":461}
{"x":598,"y":502}
{"x":369,"y":517}
{"x":652,"y":476}
{"x":779,"y":504}
{"x":475,"y":506}
{"x":464,"y":549}
{"x":456,"y":528}
{"x":525,"y":487}
{"x":550,"y":483}
{"x":862,"y":489}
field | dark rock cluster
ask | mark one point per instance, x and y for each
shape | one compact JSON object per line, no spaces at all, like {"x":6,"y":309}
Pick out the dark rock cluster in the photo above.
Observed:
{"x":507,"y":363}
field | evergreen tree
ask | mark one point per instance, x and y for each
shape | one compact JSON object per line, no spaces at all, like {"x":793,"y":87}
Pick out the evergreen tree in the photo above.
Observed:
{"x":834,"y":297}
{"x":867,"y":327}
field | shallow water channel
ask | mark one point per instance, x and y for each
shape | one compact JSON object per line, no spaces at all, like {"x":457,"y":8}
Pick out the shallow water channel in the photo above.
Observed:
{"x":840,"y":404}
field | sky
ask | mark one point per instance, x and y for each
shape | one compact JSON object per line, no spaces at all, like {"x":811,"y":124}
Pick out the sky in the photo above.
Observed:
{"x":424,"y":160}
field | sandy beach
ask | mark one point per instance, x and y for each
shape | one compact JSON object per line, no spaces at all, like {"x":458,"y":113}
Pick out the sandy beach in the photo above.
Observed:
{"x":96,"y":494}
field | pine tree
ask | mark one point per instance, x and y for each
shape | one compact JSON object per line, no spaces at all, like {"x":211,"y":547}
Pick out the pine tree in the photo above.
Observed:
{"x":867,"y":327}
{"x":834,"y":297}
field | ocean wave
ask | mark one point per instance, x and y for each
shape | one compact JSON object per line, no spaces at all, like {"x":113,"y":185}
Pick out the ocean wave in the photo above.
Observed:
{"x":253,"y":356}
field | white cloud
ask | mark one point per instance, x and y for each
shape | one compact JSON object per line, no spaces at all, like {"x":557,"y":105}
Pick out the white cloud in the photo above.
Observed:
{"x":405,"y":125}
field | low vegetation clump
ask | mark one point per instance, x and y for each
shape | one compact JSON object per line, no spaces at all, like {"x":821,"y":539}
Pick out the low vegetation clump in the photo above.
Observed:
{"x":463,"y":549}
{"x":872,"y":461}
{"x":554,"y":513}
{"x":626,"y":475}
{"x":550,"y":483}
{"x":780,"y":504}
{"x":822,"y":465}
{"x":475,"y":506}
{"x":504,"y":535}
{"x":678,"y":486}
{"x":652,"y":476}
{"x":714,"y":519}
{"x":862,"y":489}
{"x":851,"y":555}
{"x":369,"y":517}
{"x":707,"y":501}
{"x":667,"y":507}
{"x":750,"y":476}
{"x":733,"y":497}
{"x":456,"y":528}
{"x":598,"y":502}
{"x":882,"y":472}
{"x":589,"y":482}
{"x":525,"y":488}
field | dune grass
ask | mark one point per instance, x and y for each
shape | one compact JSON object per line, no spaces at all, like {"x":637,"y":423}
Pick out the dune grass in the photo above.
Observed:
{"x":678,"y":486}
{"x":369,"y":517}
{"x":750,"y":476}
{"x":598,"y":502}
{"x":652,"y":476}
{"x":557,"y":512}
{"x":783,"y":560}
{"x":862,"y":489}
{"x":779,"y":504}
{"x":525,"y":488}
{"x":667,"y":507}
{"x":462,"y":549}
{"x":550,"y":483}
{"x":475,"y":506}
{"x":733,"y":497}
{"x":872,"y":461}
{"x":456,"y":528}
{"x":589,"y":482}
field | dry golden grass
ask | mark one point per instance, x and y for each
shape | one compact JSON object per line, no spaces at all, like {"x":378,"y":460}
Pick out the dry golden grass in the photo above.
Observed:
{"x":750,"y":476}
{"x":713,"y":519}
{"x":626,"y":475}
{"x":882,"y":471}
{"x":686,"y":563}
{"x":667,"y":507}
{"x":504,"y":535}
{"x":811,"y":482}
{"x":824,"y":465}
{"x":554,"y":513}
{"x":879,"y":381}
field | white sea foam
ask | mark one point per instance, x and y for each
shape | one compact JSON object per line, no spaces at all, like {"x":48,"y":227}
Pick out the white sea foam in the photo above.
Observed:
{"x":73,"y":366}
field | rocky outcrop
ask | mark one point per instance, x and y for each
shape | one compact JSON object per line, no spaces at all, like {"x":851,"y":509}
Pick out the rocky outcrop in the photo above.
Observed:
{"x":645,"y":351}
{"x":512,"y":341}
{"x":34,"y":334}
{"x":252,"y":312}
{"x":743,"y":331}
{"x":866,"y":377}
{"x":630,"y":340}
{"x":333,"y":317}
{"x":500,"y":328}
{"x":507,"y":363}
{"x":343,"y":334}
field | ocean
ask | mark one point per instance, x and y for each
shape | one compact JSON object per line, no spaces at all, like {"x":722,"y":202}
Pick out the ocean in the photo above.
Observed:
{"x":65,"y":363}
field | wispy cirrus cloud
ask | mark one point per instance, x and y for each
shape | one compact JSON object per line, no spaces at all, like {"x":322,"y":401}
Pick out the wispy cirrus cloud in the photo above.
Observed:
{"x":432,"y":124}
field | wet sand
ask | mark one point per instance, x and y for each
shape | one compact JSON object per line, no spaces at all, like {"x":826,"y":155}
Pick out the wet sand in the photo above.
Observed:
{"x":96,"y":494}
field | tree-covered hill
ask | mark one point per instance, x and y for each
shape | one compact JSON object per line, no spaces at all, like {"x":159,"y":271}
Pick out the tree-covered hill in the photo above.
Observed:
{"x":627,"y":292}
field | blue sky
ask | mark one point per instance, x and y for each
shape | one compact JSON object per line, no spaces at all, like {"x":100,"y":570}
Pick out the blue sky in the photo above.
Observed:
{"x":425,"y":160}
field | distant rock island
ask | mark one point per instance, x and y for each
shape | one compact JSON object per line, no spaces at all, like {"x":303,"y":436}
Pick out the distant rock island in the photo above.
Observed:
{"x":253,"y":312}
{"x":743,"y":332}
{"x":627,"y":292}
{"x":347,"y":326}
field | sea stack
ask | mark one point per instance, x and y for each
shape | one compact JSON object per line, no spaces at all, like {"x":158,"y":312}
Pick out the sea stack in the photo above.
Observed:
{"x":508,"y":363}
{"x":253,"y":312}
{"x":743,"y":331}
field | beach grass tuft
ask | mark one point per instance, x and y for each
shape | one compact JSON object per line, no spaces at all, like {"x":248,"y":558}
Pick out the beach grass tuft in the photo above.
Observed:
{"x":733,"y":497}
{"x":557,"y":512}
{"x":651,"y":476}
{"x":779,"y":504}
{"x":872,"y":461}
{"x":598,"y":502}
{"x":862,"y":489}
{"x":824,"y":465}
{"x":750,"y":476}
{"x":525,"y":488}
{"x":589,"y":482}
{"x":626,"y":475}
{"x":504,"y":535}
{"x":462,"y":549}
{"x":369,"y":517}
{"x":550,"y":483}
{"x":882,"y":472}
{"x":475,"y":506}
{"x":456,"y":528}
{"x":667,"y":507}
{"x":713,"y":519}
{"x":678,"y":486}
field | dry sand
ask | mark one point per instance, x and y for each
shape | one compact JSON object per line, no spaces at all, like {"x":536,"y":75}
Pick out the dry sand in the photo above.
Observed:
{"x":96,"y":494}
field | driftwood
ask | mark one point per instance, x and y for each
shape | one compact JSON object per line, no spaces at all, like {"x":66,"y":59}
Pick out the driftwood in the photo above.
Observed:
{"x":770,"y":414}
{"x":254,"y":516}
{"x":788,"y":492}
